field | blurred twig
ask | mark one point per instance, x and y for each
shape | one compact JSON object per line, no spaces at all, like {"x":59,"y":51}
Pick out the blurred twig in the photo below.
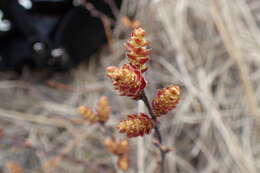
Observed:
{"x":240,"y":62}
{"x":39,"y":119}
{"x":54,"y":162}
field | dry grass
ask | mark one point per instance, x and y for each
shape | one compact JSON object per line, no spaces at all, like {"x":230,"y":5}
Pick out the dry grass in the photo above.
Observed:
{"x":209,"y":47}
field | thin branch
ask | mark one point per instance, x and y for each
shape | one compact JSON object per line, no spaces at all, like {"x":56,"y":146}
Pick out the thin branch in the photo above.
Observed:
{"x":147,"y":104}
{"x":158,"y":136}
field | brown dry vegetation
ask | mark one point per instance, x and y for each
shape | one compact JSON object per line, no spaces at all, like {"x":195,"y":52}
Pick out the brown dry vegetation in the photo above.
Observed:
{"x":211,"y":48}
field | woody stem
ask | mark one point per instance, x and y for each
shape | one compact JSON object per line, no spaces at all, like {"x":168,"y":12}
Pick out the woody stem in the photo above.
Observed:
{"x":158,"y":135}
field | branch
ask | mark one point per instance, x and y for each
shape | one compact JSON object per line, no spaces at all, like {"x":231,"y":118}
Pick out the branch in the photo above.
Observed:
{"x":158,"y":142}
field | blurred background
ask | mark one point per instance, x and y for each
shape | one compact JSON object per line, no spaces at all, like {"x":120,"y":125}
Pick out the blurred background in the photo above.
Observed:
{"x":53,"y":59}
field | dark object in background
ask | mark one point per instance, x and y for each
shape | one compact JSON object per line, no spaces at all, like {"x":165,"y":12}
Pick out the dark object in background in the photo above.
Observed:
{"x":52,"y":34}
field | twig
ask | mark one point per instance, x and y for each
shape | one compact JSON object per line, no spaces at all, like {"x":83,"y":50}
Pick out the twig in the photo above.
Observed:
{"x":158,"y":136}
{"x":236,"y":54}
{"x":96,"y":13}
{"x":56,"y":160}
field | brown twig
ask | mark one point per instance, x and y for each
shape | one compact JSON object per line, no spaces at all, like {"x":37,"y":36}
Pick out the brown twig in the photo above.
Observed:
{"x":158,"y":136}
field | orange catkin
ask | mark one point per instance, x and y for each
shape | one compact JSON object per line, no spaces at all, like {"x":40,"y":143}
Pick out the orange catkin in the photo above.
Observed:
{"x":103,"y":109}
{"x":117,"y":147}
{"x":123,"y":162}
{"x":127,"y":80}
{"x":88,"y":114}
{"x":136,"y":125}
{"x":122,"y":147}
{"x":166,"y":100}
{"x":137,"y":51}
{"x":111,"y":145}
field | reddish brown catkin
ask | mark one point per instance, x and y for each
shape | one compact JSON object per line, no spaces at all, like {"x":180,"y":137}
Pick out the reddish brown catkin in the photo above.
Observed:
{"x":136,"y":125}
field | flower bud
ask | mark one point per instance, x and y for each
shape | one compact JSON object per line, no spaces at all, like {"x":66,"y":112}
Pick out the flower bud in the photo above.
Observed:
{"x":122,"y":147}
{"x":88,"y":114}
{"x":127,"y":80}
{"x":166,"y":100}
{"x":110,"y":145}
{"x":103,"y":109}
{"x":117,"y":147}
{"x":137,"y":51}
{"x":123,"y":162}
{"x":136,"y":125}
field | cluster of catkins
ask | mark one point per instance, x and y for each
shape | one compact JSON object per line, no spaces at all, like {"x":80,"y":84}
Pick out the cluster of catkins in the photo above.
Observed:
{"x":120,"y":148}
{"x":100,"y":115}
{"x":129,"y":81}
